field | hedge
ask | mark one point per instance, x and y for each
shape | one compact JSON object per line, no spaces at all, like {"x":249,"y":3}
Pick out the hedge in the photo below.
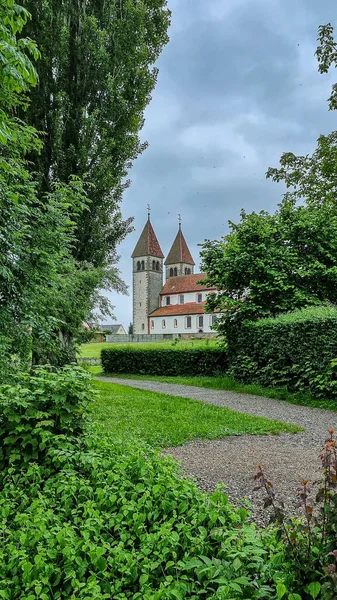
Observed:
{"x":294,"y":350}
{"x":163,"y":361}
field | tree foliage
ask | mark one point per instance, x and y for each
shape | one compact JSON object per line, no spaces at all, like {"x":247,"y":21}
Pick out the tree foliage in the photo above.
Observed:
{"x":96,"y":76}
{"x":38,"y":274}
{"x":270,"y":264}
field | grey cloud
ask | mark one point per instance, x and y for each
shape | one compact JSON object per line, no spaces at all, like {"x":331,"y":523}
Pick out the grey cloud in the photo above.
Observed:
{"x":238,"y":86}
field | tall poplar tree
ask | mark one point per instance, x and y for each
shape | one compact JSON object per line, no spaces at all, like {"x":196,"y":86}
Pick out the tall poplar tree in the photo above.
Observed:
{"x":96,"y":76}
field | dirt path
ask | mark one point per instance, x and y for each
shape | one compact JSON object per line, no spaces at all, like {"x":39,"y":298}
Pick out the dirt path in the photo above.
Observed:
{"x":287,"y":458}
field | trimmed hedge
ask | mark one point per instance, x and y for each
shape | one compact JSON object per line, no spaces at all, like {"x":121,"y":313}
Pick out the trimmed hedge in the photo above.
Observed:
{"x":294,"y":350}
{"x":164,"y":362}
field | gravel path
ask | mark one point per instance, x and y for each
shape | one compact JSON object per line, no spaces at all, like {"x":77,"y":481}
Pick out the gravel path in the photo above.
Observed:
{"x":287,"y":458}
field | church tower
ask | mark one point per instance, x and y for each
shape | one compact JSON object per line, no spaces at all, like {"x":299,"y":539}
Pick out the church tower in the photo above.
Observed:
{"x":179,"y":260}
{"x":147,"y":277}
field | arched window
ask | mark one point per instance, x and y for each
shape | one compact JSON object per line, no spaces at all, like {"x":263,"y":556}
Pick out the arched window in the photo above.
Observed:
{"x":157,"y":266}
{"x":175,"y":271}
{"x":171,"y":272}
{"x":175,"y":322}
{"x":154,"y":265}
{"x":168,"y":300}
{"x":143,"y":326}
{"x":138,"y":265}
{"x":152,"y":324}
{"x":187,"y":271}
{"x":163,"y":324}
{"x":143,"y":265}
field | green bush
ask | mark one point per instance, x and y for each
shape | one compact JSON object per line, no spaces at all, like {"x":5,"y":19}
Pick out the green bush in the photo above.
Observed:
{"x":128,"y":526}
{"x":183,"y":361}
{"x":82,"y":518}
{"x":42,"y":416}
{"x":294,"y":350}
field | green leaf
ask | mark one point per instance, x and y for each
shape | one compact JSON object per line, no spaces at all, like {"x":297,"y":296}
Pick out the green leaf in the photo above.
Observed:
{"x":143,"y":578}
{"x":101,"y":564}
{"x":294,"y":597}
{"x":281,"y":590}
{"x":314,"y":589}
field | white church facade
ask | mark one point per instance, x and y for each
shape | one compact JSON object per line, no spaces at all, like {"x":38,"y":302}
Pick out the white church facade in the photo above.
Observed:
{"x":178,"y":306}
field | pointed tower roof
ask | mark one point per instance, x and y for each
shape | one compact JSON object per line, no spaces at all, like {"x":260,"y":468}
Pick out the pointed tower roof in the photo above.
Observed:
{"x":179,"y":252}
{"x":148,"y":244}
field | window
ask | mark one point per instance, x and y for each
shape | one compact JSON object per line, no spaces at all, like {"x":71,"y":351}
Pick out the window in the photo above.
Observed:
{"x":200,"y":321}
{"x":175,"y":271}
{"x":138,"y":265}
{"x":152,"y":324}
{"x":143,"y":326}
{"x":199,"y":298}
{"x":163,"y":324}
{"x":187,"y":271}
{"x":168,"y":300}
{"x":181,"y":299}
{"x":143,"y":265}
{"x":157,"y":266}
{"x":213,"y":320}
{"x":171,"y":272}
{"x":175,"y":322}
{"x":188,"y":322}
{"x":153,"y":265}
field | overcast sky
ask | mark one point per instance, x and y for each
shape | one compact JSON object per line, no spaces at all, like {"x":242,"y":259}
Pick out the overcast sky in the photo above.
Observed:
{"x":238,"y":85}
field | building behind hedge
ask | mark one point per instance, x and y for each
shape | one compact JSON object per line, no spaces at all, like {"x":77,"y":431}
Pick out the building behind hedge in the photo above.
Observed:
{"x":178,"y":307}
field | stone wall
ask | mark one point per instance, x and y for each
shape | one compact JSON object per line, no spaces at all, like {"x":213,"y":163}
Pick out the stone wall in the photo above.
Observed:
{"x":122,"y":339}
{"x":147,"y":286}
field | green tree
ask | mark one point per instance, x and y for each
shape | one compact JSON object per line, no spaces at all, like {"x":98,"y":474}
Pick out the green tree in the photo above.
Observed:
{"x":130,"y":329}
{"x":270,"y":264}
{"x":37,"y":269}
{"x":96,"y":76}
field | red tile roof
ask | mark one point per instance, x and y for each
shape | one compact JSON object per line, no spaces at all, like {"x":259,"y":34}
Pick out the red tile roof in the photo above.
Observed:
{"x":190,"y":308}
{"x":184,"y":283}
{"x":148,"y":244}
{"x":179,"y":252}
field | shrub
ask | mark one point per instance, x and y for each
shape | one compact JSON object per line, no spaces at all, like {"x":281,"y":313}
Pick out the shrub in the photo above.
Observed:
{"x":128,"y":526}
{"x":310,"y":542}
{"x":294,"y":350}
{"x":182,"y":361}
{"x":42,"y":415}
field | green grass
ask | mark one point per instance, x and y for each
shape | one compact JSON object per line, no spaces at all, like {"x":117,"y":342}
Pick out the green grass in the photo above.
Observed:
{"x":162,"y":420}
{"x":93,"y":350}
{"x":230,"y":384}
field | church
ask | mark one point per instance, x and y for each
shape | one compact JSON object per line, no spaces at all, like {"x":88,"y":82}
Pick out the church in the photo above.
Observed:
{"x":178,"y":306}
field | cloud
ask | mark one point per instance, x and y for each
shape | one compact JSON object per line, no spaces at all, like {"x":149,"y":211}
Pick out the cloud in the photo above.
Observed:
{"x":238,"y":85}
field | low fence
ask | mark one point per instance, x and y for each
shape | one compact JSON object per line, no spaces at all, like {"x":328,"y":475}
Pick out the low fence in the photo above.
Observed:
{"x":89,"y":360}
{"x":156,"y":337}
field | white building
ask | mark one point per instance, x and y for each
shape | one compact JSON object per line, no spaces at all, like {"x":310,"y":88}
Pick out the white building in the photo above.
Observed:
{"x":178,"y":306}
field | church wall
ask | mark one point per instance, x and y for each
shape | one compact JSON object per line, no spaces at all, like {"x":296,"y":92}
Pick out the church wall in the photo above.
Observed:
{"x":181,"y":322}
{"x":140,"y":287}
{"x":180,"y":269}
{"x":188,"y":297}
{"x":147,"y":284}
{"x":155,"y":281}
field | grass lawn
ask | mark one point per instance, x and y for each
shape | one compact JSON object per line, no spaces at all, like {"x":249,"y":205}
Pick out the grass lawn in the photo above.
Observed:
{"x":227,"y":383}
{"x":93,"y":350}
{"x":162,"y":420}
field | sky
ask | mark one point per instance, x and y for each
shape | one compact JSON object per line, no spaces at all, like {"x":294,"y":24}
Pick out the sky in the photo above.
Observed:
{"x":238,"y":85}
